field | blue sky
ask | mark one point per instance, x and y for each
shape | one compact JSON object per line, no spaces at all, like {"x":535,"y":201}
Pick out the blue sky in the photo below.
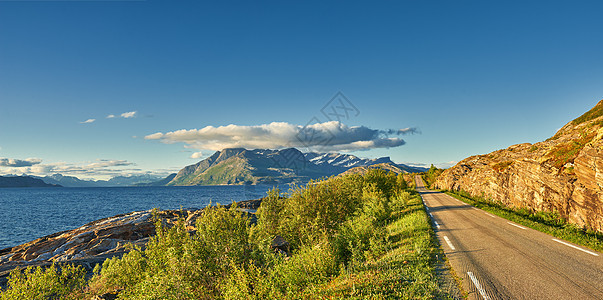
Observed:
{"x":471,"y":76}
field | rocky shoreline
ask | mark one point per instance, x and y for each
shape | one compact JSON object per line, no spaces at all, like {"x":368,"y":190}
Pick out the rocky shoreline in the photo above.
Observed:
{"x":99,"y":240}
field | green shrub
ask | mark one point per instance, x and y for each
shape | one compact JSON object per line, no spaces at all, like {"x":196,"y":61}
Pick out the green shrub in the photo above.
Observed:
{"x":367,"y":230}
{"x":311,"y":212}
{"x":53,"y":282}
{"x":178,"y":265}
{"x":431,"y":175}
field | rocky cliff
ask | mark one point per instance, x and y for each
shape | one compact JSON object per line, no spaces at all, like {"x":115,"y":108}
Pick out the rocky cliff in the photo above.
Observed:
{"x":562,"y":174}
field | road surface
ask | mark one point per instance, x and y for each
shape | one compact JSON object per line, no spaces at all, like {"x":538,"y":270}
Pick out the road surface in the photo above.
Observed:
{"x":498,"y":259}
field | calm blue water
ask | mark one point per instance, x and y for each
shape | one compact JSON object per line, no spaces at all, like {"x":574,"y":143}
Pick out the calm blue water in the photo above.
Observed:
{"x":30,"y":213}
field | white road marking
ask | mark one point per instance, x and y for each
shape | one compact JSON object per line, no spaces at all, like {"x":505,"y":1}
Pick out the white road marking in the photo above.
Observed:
{"x":478,"y":286}
{"x":491,"y":215}
{"x":449,"y":243}
{"x":434,"y":221}
{"x":475,"y":208}
{"x":570,"y":245}
{"x":517,"y":225}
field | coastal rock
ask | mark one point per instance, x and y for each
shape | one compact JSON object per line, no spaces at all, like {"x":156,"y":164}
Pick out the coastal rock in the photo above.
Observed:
{"x":280,"y":245}
{"x":96,"y":241}
{"x":563,"y":174}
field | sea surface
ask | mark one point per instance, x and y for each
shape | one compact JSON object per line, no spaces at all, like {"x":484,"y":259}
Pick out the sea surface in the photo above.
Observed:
{"x":30,"y":213}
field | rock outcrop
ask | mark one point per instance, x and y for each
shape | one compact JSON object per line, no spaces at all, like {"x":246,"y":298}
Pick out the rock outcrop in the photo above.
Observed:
{"x":562,"y":174}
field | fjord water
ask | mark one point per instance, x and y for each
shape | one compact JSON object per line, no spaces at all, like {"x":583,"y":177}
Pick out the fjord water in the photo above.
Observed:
{"x":30,"y":213}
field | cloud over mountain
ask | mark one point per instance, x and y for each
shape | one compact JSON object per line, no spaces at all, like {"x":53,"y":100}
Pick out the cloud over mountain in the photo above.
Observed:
{"x":17,"y":163}
{"x":327,"y":136}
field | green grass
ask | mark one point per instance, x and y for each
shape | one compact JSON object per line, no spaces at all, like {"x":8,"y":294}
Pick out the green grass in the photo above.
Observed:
{"x":356,"y":236}
{"x":567,"y":152}
{"x":547,"y":222}
{"x":594,"y":113}
{"x":501,"y":166}
{"x":405,"y":270}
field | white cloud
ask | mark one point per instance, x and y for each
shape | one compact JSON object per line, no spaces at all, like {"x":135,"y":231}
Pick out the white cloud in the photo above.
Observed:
{"x":328,"y":136}
{"x":18,"y":163}
{"x":99,"y":169}
{"x":197,"y":155}
{"x":130,"y":114}
{"x":88,"y":121}
{"x":111,"y":116}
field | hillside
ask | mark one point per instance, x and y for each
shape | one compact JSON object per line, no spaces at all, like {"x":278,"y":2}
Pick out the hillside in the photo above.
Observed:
{"x":241,"y":166}
{"x":264,"y":166}
{"x":23,"y":181}
{"x":563,"y":174}
{"x":391,"y":167}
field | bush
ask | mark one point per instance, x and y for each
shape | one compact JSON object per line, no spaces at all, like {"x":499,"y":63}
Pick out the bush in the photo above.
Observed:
{"x":53,"y":282}
{"x":178,"y":265}
{"x":431,"y":175}
{"x":339,"y":228}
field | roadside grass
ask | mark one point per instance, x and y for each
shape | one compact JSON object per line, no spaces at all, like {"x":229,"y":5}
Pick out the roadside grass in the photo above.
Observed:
{"x":404,"y":271}
{"x":547,"y":222}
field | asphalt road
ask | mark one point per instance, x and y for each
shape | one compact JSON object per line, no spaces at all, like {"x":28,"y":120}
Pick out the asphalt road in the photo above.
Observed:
{"x":498,"y":259}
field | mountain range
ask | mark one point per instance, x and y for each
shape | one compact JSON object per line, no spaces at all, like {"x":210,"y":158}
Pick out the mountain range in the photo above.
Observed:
{"x":240,"y":166}
{"x":266,"y":166}
{"x":72,"y":181}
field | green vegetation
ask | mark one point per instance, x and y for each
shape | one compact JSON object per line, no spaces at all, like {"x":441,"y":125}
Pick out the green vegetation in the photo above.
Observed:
{"x":594,"y":113}
{"x":547,"y":222}
{"x":355,"y":236}
{"x":54,"y":282}
{"x":567,"y":152}
{"x":431,"y":175}
{"x":501,"y":166}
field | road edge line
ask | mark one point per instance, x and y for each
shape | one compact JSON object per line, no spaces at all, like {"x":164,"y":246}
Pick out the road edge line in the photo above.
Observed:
{"x":518,"y":226}
{"x":479,"y":287}
{"x":449,"y":243}
{"x":575,"y":247}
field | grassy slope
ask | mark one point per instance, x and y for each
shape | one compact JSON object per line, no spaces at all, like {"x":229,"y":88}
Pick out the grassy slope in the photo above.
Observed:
{"x":405,"y":271}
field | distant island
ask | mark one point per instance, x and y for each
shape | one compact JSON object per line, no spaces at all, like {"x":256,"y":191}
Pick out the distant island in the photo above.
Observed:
{"x":23,"y":181}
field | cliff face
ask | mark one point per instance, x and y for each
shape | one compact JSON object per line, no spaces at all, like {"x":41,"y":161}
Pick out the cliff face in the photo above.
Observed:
{"x":563,"y":173}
